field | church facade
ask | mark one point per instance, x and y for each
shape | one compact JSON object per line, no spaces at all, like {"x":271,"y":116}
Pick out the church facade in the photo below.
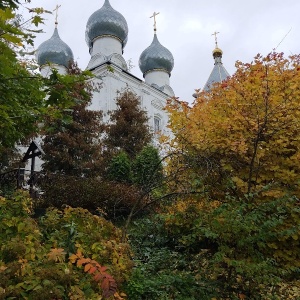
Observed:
{"x":106,"y":36}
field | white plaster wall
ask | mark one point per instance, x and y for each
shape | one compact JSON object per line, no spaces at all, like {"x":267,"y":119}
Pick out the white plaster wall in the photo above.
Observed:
{"x":152,"y":100}
{"x":106,"y":49}
{"x":160,"y":78}
{"x":106,"y":45}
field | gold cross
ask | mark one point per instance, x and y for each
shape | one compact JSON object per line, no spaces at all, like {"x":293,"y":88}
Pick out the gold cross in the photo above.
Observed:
{"x":56,"y":13}
{"x":216,"y":39}
{"x":154,"y":17}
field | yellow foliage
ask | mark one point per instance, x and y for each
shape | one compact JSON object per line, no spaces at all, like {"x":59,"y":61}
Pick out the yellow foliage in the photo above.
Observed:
{"x":236,"y":153}
{"x":246,"y":129}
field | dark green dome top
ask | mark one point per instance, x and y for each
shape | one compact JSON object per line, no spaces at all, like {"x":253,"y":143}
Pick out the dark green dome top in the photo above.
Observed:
{"x":106,"y":22}
{"x":156,"y":57}
{"x":54,"y":51}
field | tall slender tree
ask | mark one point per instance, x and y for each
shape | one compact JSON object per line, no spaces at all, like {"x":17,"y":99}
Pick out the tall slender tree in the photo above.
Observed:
{"x":72,"y":144}
{"x":128,"y":129}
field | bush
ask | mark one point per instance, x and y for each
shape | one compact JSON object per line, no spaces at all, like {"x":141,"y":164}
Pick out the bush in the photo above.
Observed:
{"x":161,"y":271}
{"x":112,"y":199}
{"x":60,"y":256}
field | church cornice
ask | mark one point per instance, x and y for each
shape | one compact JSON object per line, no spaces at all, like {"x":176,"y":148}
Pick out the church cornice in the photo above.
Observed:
{"x":145,"y":91}
{"x":157,"y":104}
{"x":106,"y":35}
{"x":128,"y":76}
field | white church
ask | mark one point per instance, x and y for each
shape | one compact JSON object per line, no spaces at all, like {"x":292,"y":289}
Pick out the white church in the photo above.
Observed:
{"x":106,"y":36}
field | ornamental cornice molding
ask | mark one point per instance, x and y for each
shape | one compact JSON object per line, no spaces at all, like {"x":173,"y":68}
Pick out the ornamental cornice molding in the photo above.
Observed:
{"x":157,"y":104}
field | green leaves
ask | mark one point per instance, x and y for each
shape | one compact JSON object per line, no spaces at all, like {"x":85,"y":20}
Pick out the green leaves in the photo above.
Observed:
{"x":13,"y":4}
{"x":27,"y":99}
{"x":119,"y":168}
{"x":147,"y":169}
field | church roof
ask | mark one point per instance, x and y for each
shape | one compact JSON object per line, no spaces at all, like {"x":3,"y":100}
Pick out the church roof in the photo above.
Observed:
{"x":106,"y":22}
{"x":156,"y":57}
{"x":54,"y":51}
{"x":219,"y":73}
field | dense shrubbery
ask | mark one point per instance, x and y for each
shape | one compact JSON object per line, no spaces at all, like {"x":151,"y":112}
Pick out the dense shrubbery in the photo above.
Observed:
{"x":245,"y":250}
{"x":163,"y":270}
{"x":68,"y":254}
{"x":112,"y":199}
{"x":83,"y":169}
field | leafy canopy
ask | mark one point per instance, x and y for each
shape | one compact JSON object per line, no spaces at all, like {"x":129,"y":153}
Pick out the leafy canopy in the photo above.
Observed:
{"x":26,"y":98}
{"x":246,"y":131}
{"x":237,"y":151}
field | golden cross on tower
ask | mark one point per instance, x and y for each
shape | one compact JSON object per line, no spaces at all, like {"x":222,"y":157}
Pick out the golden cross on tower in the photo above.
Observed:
{"x":216,"y":39}
{"x":154,"y":17}
{"x":56,"y":14}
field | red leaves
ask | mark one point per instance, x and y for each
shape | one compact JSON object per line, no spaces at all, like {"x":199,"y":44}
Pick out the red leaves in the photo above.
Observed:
{"x":92,"y":269}
{"x":105,"y":280}
{"x":108,"y":286}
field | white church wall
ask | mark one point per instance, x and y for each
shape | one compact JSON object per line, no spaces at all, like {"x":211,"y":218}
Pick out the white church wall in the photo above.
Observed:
{"x":106,"y":46}
{"x":153,"y":100}
{"x":161,"y":78}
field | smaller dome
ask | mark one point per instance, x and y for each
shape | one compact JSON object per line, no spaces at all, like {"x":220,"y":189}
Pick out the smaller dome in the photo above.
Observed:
{"x":156,"y":57}
{"x":54,"y":51}
{"x":106,"y":22}
{"x":217,"y":52}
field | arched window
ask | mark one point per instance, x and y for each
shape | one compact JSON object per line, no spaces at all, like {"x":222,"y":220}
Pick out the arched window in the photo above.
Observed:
{"x":157,"y":124}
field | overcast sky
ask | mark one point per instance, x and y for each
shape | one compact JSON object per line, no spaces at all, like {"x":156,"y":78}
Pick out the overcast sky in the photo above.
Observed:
{"x":185,"y":27}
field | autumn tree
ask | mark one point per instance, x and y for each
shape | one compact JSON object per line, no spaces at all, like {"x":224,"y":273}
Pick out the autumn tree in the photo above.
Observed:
{"x":72,"y":144}
{"x":128,"y":129}
{"x":246,"y":130}
{"x":238,"y":152}
{"x":72,"y":165}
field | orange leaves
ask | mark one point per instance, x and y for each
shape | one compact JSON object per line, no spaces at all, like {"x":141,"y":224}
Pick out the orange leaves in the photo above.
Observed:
{"x":57,"y":255}
{"x":105,"y":280}
{"x":74,"y":257}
